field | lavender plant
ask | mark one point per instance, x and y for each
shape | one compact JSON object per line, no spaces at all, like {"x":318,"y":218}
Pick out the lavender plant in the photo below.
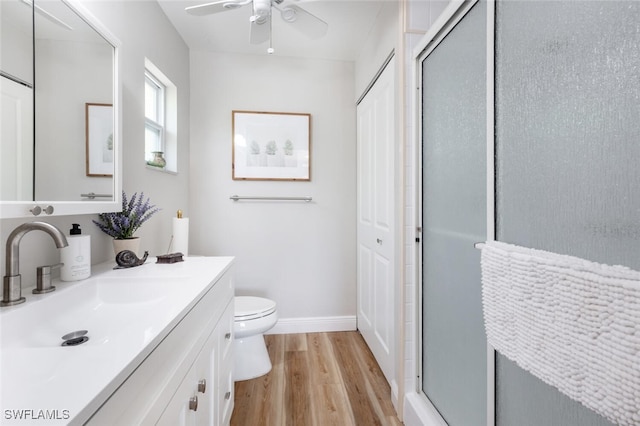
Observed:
{"x":122,"y":225}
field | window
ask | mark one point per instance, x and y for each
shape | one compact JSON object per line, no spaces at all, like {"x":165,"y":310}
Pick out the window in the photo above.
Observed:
{"x":154,"y":101}
{"x":161,"y":117}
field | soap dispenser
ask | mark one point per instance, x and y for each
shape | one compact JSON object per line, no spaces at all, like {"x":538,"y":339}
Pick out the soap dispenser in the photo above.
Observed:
{"x":76,"y":257}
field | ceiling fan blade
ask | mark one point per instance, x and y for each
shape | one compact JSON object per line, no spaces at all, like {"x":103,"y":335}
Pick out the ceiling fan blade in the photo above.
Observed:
{"x":260,"y":30}
{"x":303,"y":21}
{"x":216,"y":7}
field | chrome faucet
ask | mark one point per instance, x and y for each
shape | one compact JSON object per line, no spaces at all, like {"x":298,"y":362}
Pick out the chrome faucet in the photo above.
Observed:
{"x":12,"y":285}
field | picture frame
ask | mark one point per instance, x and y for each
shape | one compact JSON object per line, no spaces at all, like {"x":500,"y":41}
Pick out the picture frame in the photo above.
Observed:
{"x":271,"y":146}
{"x":99,"y":139}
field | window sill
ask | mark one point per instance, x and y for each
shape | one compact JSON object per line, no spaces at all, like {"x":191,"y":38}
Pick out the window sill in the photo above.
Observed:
{"x":158,"y":169}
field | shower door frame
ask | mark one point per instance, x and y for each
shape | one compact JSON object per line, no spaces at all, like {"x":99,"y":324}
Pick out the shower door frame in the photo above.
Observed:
{"x":450,"y":17}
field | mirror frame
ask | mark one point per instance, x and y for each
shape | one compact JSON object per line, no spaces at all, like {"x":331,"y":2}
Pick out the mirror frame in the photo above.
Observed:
{"x":26,"y":209}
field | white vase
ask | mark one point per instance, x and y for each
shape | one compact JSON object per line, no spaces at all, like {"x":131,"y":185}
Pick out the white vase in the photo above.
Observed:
{"x":132,"y":244}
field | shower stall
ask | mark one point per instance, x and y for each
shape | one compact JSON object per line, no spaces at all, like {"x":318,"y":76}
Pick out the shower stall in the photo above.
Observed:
{"x":529,"y":134}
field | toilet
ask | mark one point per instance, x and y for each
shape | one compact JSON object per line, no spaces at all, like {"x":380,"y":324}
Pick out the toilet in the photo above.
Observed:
{"x":252,"y":317}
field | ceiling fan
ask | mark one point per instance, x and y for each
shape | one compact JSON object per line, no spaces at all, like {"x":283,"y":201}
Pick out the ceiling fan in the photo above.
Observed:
{"x":260,"y":20}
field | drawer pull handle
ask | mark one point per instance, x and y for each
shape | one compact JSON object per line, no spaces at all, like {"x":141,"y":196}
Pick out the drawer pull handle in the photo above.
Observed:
{"x":227,"y":395}
{"x":227,"y":336}
{"x":193,"y":403}
{"x":202,"y":386}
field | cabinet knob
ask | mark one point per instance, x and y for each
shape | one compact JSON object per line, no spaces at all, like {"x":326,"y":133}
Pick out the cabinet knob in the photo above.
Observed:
{"x":227,"y":336}
{"x":202,"y":386}
{"x":227,"y":395}
{"x":193,"y":403}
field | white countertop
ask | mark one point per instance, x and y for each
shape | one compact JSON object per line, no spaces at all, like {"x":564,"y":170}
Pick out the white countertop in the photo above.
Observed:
{"x":127,"y":313}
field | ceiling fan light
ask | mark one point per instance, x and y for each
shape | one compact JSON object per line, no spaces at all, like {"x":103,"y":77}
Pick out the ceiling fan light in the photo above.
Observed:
{"x":289,"y":14}
{"x":258,"y":19}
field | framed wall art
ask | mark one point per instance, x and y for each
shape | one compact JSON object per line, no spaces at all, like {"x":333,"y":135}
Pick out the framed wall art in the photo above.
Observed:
{"x":271,"y":146}
{"x":99,"y":139}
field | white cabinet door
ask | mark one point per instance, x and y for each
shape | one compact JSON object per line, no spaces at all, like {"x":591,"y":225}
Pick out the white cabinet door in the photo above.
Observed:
{"x":224,"y":367}
{"x":194,"y":401}
{"x":205,"y":382}
{"x":209,"y":382}
{"x":178,"y":412}
{"x":376,"y":218}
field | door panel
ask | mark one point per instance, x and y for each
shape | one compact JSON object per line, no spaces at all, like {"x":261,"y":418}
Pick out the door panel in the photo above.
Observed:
{"x":453,"y":219}
{"x":16,"y":141}
{"x":567,"y":108}
{"x":376,"y":201}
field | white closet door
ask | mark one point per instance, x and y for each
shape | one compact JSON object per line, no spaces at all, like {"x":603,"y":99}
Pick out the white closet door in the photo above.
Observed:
{"x":376,"y":239}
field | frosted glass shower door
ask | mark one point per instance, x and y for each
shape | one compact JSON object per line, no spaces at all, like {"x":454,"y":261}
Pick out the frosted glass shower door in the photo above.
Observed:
{"x":453,"y":219}
{"x":567,"y":151}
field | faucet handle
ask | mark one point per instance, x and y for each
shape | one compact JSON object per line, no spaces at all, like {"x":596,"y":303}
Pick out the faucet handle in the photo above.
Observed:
{"x":43,"y":278}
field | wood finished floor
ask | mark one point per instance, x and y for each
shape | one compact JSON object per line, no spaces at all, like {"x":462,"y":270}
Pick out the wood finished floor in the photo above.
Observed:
{"x":317,"y":379}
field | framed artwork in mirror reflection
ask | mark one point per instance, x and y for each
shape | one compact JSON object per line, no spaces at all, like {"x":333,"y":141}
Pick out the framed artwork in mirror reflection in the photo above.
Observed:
{"x":271,"y":146}
{"x":99,"y":139}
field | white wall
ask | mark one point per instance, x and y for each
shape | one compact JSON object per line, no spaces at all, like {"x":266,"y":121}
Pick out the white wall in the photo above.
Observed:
{"x":143,"y":30}
{"x":381,"y":41}
{"x":16,"y":40}
{"x":302,"y":255}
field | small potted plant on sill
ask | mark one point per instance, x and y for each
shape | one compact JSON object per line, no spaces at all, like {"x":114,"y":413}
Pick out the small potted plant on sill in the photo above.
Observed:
{"x":158,"y":160}
{"x":123,"y":224}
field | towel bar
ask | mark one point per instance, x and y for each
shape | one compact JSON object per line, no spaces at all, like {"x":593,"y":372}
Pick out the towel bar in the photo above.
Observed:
{"x":93,"y":195}
{"x":238,"y":197}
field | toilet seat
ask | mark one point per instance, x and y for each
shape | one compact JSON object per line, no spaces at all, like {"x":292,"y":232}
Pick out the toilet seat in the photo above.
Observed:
{"x":250,"y":307}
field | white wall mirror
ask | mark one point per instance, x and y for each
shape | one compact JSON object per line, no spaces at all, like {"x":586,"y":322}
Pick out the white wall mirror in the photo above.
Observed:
{"x":59,"y":139}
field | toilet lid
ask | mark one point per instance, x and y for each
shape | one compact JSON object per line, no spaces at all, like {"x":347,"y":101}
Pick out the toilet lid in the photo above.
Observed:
{"x":249,"y":307}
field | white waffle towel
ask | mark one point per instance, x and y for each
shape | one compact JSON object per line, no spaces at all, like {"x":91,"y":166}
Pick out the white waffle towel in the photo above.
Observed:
{"x":573,"y":323}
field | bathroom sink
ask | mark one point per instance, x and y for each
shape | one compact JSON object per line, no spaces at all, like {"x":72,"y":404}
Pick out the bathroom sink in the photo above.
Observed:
{"x":104,"y":307}
{"x":139,"y":290}
{"x":126,"y":314}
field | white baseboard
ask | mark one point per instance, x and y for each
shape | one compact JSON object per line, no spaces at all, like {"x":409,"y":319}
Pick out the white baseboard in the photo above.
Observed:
{"x":418,"y":411}
{"x":394,"y":397}
{"x":314,"y":325}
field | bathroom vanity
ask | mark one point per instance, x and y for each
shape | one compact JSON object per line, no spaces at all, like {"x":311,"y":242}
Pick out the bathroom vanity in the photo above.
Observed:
{"x":159,"y":348}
